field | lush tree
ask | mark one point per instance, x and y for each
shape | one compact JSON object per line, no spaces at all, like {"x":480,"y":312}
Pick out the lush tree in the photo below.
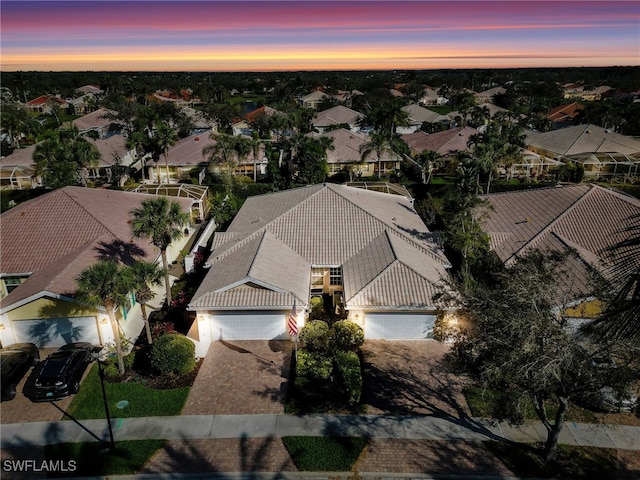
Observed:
{"x":517,"y":342}
{"x":381,"y":144}
{"x":309,"y":157}
{"x":427,"y":160}
{"x":165,"y":137}
{"x":107,"y":284}
{"x":145,"y":276}
{"x":227,"y":150}
{"x":64,"y":158}
{"x":161,"y":221}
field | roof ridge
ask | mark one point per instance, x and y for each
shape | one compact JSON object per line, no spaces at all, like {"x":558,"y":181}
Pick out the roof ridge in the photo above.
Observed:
{"x":73,"y":199}
{"x":547,"y":227}
{"x":377,"y":275}
{"x":578,"y":137}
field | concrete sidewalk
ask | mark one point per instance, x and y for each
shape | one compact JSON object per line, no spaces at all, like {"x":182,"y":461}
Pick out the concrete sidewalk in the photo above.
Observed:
{"x":273,"y":426}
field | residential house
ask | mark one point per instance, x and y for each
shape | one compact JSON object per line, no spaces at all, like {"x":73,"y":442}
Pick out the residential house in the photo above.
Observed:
{"x":486,"y":96}
{"x":602,"y":152}
{"x":346,"y":155}
{"x":46,"y":243}
{"x":114,"y":153}
{"x":244,"y":126}
{"x":576,"y":91}
{"x":313,"y":99}
{"x":97,"y":124}
{"x":94,"y":89}
{"x":201,"y":124}
{"x":432,"y":98}
{"x":565,"y":115}
{"x":448,"y":143}
{"x":336,"y":116}
{"x":417,"y":115}
{"x":17,"y":171}
{"x":45,"y":104}
{"x":185,"y":159}
{"x":364,"y":252}
{"x":588,"y":219}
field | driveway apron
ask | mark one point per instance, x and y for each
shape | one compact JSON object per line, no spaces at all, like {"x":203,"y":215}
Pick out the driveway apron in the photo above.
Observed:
{"x":241,"y":377}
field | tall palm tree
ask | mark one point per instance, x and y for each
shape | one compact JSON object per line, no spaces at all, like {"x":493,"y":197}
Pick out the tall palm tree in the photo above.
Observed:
{"x":161,"y":221}
{"x":145,"y":276}
{"x":166,"y":137}
{"x":108,"y":284}
{"x":227,"y":150}
{"x":379,"y":143}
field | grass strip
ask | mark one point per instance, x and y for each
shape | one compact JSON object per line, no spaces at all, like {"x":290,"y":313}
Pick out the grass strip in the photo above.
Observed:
{"x":143,"y":401}
{"x":90,"y":459}
{"x":324,"y":454}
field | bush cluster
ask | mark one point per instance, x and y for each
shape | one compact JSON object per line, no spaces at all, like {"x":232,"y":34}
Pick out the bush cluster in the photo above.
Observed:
{"x":329,"y":354}
{"x":173,"y":353}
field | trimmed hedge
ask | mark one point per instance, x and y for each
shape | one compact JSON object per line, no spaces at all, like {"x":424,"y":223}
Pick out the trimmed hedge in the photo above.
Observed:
{"x":313,"y":365}
{"x":173,"y":353}
{"x":348,"y":365}
{"x":314,"y":336}
{"x":346,"y":336}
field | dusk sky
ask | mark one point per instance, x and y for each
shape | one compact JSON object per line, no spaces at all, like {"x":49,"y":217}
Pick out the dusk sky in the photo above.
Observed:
{"x":315,"y":35}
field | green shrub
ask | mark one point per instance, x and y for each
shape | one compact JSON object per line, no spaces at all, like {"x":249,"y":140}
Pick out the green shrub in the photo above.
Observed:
{"x":313,"y":365}
{"x":348,"y":364}
{"x":314,"y":336}
{"x":346,"y":336}
{"x":129,"y":359}
{"x":111,"y":370}
{"x":173,"y":353}
{"x":317,"y":307}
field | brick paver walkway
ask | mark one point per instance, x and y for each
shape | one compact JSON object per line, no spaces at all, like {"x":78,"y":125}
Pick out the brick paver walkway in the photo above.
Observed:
{"x":240,"y":377}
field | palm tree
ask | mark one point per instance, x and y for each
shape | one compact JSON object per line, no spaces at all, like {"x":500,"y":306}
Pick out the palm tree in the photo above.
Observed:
{"x":166,"y":137}
{"x":161,"y":221}
{"x":145,"y":275}
{"x":427,"y":160}
{"x":108,"y":284}
{"x":135,"y":141}
{"x":379,"y":143}
{"x":227,"y":150}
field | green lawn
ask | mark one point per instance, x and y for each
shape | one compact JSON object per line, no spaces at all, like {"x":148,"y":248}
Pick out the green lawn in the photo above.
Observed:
{"x":91,"y":459}
{"x":324,"y":454}
{"x":143,"y":401}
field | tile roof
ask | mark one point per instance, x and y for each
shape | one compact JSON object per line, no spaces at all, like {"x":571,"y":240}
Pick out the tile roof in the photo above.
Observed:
{"x":324,"y":225}
{"x":110,"y":147}
{"x":22,"y":157}
{"x":93,"y":120}
{"x":447,"y":142}
{"x":336,"y":116}
{"x":418,"y":114}
{"x":188,"y":151}
{"x":57,"y":235}
{"x":346,"y":147}
{"x":583,"y":139}
{"x":565,"y":112}
{"x":588,"y":218}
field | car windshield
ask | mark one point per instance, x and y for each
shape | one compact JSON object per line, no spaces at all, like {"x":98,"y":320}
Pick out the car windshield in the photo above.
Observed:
{"x":55,"y":365}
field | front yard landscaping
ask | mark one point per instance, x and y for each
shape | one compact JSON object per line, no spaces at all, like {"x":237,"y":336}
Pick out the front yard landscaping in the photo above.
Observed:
{"x":324,"y":454}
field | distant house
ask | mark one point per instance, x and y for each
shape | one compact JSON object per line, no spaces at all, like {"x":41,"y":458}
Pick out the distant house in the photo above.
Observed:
{"x":346,"y":155}
{"x":564,"y":115}
{"x":417,"y":115}
{"x":46,"y":243}
{"x":576,"y":91}
{"x":45,"y":103}
{"x":244,"y":126}
{"x":313,"y":99}
{"x":432,"y":98}
{"x":186,"y":157}
{"x":587,"y":219}
{"x":93,"y":89}
{"x":486,"y":96}
{"x":114,"y":153}
{"x":17,"y":171}
{"x":447,"y":143}
{"x":335,"y":117}
{"x":602,"y":152}
{"x":382,"y":266}
{"x":96,"y":123}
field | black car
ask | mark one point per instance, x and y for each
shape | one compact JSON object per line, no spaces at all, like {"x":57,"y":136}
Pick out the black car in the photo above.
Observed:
{"x":16,"y":361}
{"x":62,"y":371}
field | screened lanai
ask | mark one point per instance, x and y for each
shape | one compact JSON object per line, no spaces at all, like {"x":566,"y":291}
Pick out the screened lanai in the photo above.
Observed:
{"x":608,"y":165}
{"x":198,"y":193}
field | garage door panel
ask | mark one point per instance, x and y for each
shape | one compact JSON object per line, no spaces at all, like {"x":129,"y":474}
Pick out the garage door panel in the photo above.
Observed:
{"x":249,"y":326}
{"x":398,"y":326}
{"x":55,"y":332}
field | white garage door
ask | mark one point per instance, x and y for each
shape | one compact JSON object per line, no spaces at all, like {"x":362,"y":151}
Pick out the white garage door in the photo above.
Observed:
{"x":55,"y":332}
{"x":249,"y":326}
{"x":398,"y":326}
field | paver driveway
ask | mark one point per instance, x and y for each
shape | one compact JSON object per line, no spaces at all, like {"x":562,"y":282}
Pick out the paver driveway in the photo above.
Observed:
{"x":239,"y":377}
{"x":411,"y":378}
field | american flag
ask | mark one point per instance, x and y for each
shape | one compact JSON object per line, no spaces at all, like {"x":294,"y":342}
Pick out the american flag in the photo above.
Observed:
{"x":292,"y":321}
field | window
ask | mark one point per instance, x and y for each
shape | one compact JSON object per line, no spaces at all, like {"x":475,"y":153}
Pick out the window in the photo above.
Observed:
{"x":317,"y":275}
{"x":11,"y":283}
{"x":335,"y":276}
